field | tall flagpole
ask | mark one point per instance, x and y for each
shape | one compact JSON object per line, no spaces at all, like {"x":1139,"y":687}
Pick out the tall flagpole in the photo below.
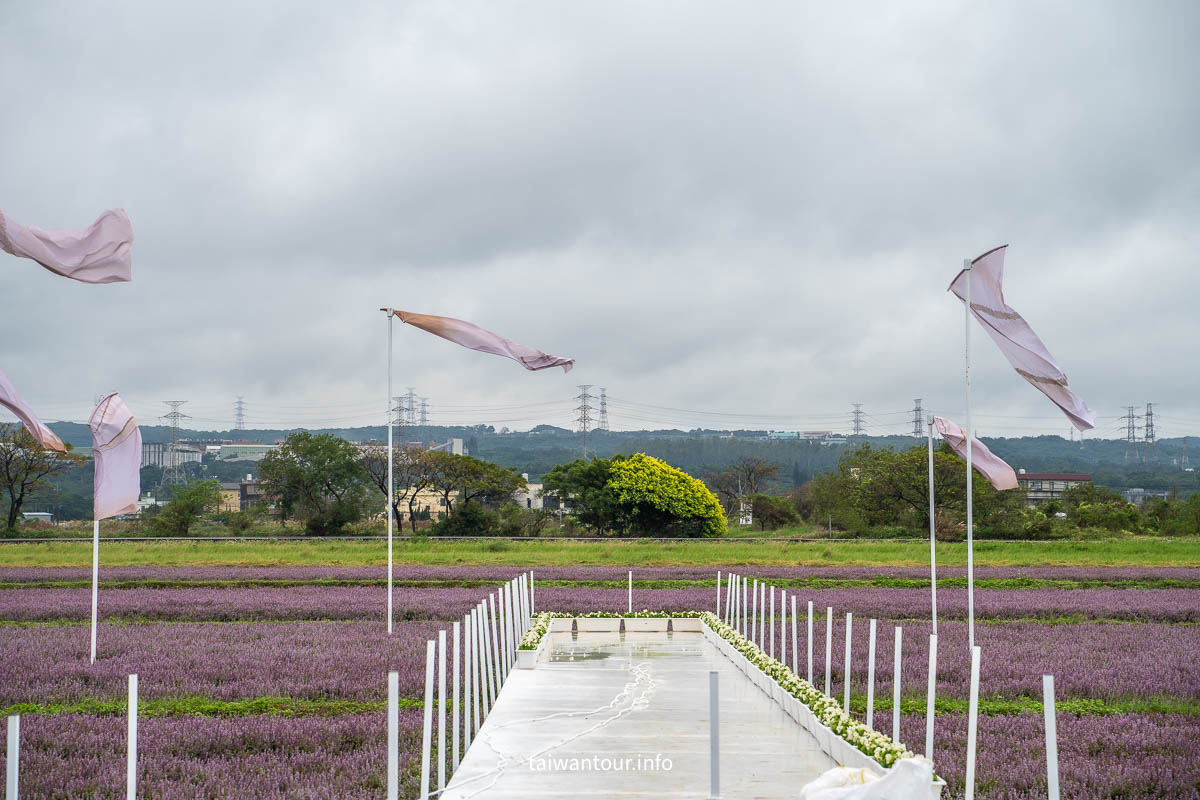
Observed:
{"x":391,"y":489}
{"x":95,"y":580}
{"x":932,"y":532}
{"x":970,"y":434}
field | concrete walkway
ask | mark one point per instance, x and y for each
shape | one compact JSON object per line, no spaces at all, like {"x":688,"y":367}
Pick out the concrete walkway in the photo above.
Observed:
{"x":638,"y":700}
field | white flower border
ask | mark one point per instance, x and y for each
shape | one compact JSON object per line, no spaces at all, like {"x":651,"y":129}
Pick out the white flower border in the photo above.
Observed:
{"x":825,"y":710}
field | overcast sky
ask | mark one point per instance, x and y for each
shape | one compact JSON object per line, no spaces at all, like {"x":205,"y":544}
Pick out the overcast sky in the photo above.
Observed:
{"x":752,"y":209}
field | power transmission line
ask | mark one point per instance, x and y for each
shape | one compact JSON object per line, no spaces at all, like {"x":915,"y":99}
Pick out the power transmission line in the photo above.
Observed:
{"x":602,"y":425}
{"x":173,"y":468}
{"x":585,"y":414}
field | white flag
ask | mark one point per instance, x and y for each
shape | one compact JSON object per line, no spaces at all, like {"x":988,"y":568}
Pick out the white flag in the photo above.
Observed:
{"x":990,"y":465}
{"x":11,"y":399}
{"x":471,"y":335}
{"x":117,"y":449}
{"x":1016,"y":340}
{"x":98,"y":254}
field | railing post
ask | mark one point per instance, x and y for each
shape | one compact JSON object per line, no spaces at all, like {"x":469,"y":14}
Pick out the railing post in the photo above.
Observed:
{"x":846,"y":676}
{"x":871,"y":678}
{"x":1051,"y":737}
{"x":14,"y":757}
{"x":714,"y":717}
{"x":896,"y":658}
{"x":393,"y":735}
{"x":427,"y":729}
{"x":972,"y":725}
{"x":929,"y":696}
{"x":131,"y":753}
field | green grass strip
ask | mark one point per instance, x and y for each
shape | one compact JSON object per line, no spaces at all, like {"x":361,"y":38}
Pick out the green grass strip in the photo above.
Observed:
{"x":205,"y":707}
{"x":1006,"y":706}
{"x":880,"y":582}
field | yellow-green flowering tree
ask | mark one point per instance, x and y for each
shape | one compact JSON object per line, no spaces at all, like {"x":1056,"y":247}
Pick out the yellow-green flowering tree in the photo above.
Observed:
{"x":656,"y":499}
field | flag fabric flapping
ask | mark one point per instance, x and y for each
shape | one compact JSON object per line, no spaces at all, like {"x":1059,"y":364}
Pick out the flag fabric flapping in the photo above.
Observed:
{"x":117,"y":448}
{"x":99,"y":254}
{"x":11,"y":399}
{"x":991,"y":466}
{"x":476,"y":338}
{"x":1016,"y":340}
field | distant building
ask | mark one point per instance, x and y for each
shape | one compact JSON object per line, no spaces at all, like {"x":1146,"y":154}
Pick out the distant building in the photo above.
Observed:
{"x":231,"y":497}
{"x":530,"y":496}
{"x":1139,"y":496}
{"x":40,"y":516}
{"x":249,"y":493}
{"x":245,"y":451}
{"x":159,"y":454}
{"x":1042,"y":487}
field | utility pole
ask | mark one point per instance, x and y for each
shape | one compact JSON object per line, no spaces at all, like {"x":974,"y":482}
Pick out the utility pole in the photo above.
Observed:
{"x":239,"y":412}
{"x":918,"y":420}
{"x":602,"y":424}
{"x":585,"y":414}
{"x":1130,"y":431}
{"x":858,"y":416}
{"x":172,"y":467}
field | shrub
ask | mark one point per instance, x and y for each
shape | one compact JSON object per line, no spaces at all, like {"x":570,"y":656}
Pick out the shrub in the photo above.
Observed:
{"x":658,"y":500}
{"x":467,"y":519}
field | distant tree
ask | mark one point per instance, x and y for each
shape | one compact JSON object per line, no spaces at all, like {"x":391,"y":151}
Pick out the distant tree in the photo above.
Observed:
{"x":1089,"y":493}
{"x":410,"y":475}
{"x":320,"y":477}
{"x":747,"y":475}
{"x":471,"y":479}
{"x":771,"y":512}
{"x":187,"y":505}
{"x":655,"y":499}
{"x":582,"y":487}
{"x":467,"y":519}
{"x":26,"y":468}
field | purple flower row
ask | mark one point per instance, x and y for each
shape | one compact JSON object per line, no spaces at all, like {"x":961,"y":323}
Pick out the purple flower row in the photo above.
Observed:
{"x":1130,"y":756}
{"x":368,"y":602}
{"x":278,"y":758}
{"x":347,"y":660}
{"x":589,"y":573}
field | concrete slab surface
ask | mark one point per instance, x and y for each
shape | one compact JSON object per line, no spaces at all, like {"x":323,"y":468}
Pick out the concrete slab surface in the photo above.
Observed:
{"x":625,"y":715}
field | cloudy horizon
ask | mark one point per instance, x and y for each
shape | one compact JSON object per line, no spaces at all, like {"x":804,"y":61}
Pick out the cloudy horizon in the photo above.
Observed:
{"x":743,"y":216}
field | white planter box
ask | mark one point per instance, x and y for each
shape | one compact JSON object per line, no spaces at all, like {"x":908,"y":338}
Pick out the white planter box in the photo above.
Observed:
{"x":603,"y":624}
{"x":528,"y":659}
{"x":640,"y":624}
{"x":560,"y":625}
{"x":689,"y":625}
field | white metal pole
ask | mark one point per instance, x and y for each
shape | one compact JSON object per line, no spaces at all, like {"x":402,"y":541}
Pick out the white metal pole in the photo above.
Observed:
{"x":795,"y":640}
{"x":455,"y":707}
{"x":427,"y":729}
{"x":718,"y":594}
{"x":510,"y":606}
{"x":391,"y":492}
{"x":754,"y":612}
{"x":131,"y":752}
{"x":95,"y":580}
{"x":871,"y":678}
{"x":485,"y":658}
{"x":630,"y":591}
{"x":13,"y":764}
{"x":810,"y":641}
{"x":771,"y":627}
{"x":972,"y":724}
{"x":828,"y":649}
{"x":393,"y":736}
{"x":532,"y":604}
{"x":714,"y":733}
{"x":494,"y":634}
{"x":468,"y":701}
{"x":503,"y":620}
{"x":896,"y":659}
{"x":729,"y":583}
{"x":846,"y":674}
{"x":932,"y":532}
{"x":441,"y":705}
{"x":782,"y":626}
{"x":762,"y":616}
{"x":930,"y":699}
{"x":970,"y":504}
{"x":478,"y":685}
{"x":743,"y":608}
{"x":1051,"y":737}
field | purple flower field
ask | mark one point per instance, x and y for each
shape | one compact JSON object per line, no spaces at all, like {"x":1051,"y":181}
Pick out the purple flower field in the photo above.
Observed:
{"x":367,"y":602}
{"x":581,"y":573}
{"x":78,"y":756}
{"x":327,"y":644}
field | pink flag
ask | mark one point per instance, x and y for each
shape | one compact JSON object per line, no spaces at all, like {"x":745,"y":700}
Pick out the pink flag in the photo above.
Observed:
{"x":476,"y":338}
{"x":117,"y":448}
{"x":100,"y":254}
{"x":991,"y":466}
{"x":1017,"y":341}
{"x":11,"y":399}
